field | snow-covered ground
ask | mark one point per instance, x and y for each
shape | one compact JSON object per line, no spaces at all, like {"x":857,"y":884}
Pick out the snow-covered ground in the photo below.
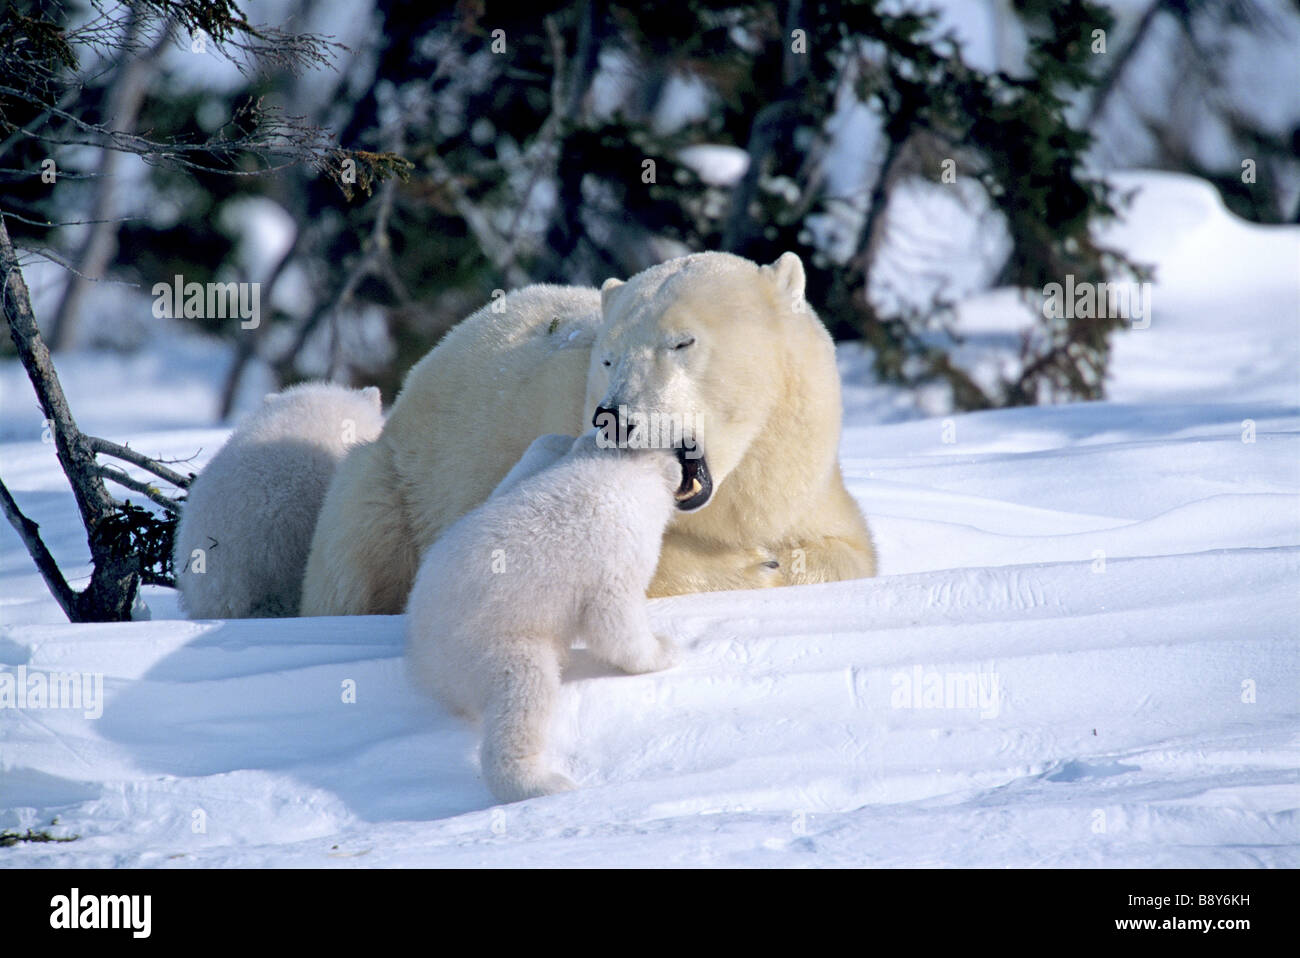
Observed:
{"x":1115,"y":585}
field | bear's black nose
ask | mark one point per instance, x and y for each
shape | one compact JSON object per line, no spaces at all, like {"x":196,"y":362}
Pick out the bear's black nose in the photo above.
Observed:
{"x":605,"y":418}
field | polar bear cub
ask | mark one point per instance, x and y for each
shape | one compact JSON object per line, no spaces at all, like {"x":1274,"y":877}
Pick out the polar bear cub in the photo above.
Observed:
{"x":564,"y":548}
{"x":247,"y":521}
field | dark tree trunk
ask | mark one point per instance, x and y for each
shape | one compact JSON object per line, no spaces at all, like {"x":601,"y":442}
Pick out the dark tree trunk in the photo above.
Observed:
{"x":115,"y":579}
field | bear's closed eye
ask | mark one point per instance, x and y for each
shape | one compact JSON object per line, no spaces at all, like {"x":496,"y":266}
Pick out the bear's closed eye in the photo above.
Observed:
{"x":771,"y":564}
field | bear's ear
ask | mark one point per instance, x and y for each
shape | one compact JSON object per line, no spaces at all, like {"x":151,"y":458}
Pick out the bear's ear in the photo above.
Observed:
{"x":607,"y":288}
{"x":787,"y":274}
{"x":373,"y":396}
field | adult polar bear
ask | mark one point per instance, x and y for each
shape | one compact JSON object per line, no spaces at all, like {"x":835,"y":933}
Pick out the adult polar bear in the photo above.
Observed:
{"x":710,"y":336}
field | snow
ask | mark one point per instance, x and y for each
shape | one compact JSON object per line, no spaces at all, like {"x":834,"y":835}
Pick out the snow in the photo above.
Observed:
{"x":715,"y":164}
{"x":1113,"y":583}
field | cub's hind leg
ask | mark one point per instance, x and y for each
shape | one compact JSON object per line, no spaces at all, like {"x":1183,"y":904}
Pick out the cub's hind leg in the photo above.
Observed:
{"x":524,"y":684}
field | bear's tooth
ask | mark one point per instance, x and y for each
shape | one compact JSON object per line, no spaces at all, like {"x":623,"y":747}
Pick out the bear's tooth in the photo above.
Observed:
{"x":689,"y":493}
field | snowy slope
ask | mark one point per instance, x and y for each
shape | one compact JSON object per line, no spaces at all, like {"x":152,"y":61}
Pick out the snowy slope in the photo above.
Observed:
{"x":1115,"y":582}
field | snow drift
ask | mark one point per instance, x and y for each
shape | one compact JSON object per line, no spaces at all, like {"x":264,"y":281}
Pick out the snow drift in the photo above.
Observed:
{"x":1083,"y":649}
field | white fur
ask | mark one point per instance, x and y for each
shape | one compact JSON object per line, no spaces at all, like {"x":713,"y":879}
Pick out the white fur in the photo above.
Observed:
{"x":760,"y":381}
{"x":760,"y":377}
{"x":248,"y":518}
{"x":563,"y":549}
{"x":466,"y":413}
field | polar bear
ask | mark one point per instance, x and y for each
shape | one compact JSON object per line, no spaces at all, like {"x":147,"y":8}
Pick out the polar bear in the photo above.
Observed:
{"x":466,"y":413}
{"x":247,"y":521}
{"x":563,"y":549}
{"x":712,"y":338}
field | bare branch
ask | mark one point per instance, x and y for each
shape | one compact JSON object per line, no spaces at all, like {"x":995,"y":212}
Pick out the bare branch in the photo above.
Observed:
{"x":125,"y":97}
{"x":375,"y":253}
{"x":29,"y":531}
{"x":51,"y":225}
{"x":115,"y":579}
{"x":247,"y":346}
{"x":114,"y":474}
{"x":494,"y":246}
{"x":58,"y":260}
{"x":127,"y":454}
{"x":1110,"y":81}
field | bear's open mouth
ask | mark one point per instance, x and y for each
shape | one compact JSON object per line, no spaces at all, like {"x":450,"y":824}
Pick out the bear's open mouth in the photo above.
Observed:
{"x":697,"y":484}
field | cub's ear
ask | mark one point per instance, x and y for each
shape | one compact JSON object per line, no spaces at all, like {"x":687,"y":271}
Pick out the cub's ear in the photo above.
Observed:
{"x":788,"y":276}
{"x":606,"y":290}
{"x":372,"y":395}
